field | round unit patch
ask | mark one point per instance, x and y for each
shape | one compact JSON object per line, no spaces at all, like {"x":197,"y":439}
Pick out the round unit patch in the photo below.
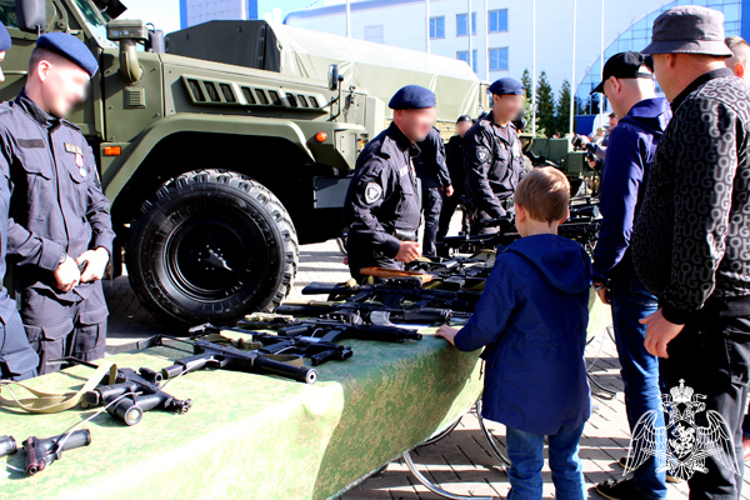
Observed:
{"x":373,"y":191}
{"x":483,"y":154}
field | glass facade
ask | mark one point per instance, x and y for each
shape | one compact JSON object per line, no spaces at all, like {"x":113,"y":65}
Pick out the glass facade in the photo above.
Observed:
{"x":637,"y":37}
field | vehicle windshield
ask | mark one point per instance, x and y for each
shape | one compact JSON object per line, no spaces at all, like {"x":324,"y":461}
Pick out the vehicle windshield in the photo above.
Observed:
{"x":96,"y":20}
{"x":8,"y":13}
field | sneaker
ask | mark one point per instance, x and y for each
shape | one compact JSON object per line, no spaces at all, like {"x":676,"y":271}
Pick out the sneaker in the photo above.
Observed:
{"x":619,"y":490}
{"x":623,"y":462}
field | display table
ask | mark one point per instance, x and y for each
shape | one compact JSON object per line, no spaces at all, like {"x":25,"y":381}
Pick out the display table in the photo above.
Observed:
{"x":252,"y":436}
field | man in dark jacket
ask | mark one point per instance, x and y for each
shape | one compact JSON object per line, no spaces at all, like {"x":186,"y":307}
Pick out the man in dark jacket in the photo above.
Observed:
{"x":492,"y":155}
{"x":18,"y":361}
{"x":454,"y":159}
{"x":690,"y":244}
{"x":436,"y":181}
{"x":382,"y":204}
{"x":59,"y":216}
{"x":629,"y":85}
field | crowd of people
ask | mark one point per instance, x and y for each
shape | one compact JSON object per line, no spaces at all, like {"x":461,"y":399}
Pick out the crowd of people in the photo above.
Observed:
{"x":672,"y":260}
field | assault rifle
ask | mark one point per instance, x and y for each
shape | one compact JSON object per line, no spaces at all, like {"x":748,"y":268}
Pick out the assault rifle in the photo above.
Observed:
{"x":398,"y":295}
{"x":582,"y":226}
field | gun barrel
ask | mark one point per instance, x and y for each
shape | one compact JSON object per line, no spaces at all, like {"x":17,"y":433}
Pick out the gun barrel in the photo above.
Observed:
{"x":42,"y":452}
{"x":8,"y":445}
{"x":298,"y":373}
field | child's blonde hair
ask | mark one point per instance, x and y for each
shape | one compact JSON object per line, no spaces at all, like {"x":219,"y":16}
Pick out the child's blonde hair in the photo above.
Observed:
{"x":545,"y":194}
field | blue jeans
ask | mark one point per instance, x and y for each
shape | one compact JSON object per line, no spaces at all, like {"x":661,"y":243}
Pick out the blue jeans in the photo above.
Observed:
{"x":640,"y":372}
{"x":525,"y":451}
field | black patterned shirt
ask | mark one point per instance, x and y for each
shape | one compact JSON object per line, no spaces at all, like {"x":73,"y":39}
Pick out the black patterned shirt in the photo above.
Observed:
{"x":691,"y":240}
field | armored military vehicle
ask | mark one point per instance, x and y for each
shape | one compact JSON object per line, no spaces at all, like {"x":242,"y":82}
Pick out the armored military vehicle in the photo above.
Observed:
{"x":221,"y":160}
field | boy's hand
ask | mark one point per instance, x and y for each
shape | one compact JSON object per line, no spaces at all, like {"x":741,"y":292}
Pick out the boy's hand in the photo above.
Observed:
{"x":447,"y":333}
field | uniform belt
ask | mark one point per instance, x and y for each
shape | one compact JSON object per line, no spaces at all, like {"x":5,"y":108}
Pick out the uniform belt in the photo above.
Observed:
{"x":404,"y":234}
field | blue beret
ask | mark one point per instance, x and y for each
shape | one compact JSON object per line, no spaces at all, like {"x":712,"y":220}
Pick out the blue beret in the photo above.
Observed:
{"x":412,"y":97}
{"x":507,"y":86}
{"x":5,"y":41}
{"x":70,"y":48}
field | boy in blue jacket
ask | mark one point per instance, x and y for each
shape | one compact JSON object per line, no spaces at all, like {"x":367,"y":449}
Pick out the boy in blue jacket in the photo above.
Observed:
{"x":532,"y":318}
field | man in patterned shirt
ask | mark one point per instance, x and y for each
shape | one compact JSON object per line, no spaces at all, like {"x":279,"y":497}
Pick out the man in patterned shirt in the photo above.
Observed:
{"x":691,"y":246}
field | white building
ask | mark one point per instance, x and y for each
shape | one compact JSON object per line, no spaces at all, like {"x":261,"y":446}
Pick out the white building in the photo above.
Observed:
{"x":503,"y":31}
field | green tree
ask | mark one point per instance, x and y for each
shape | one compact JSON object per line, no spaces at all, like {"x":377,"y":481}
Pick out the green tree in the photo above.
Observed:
{"x":562,"y":110}
{"x":527,"y":114}
{"x":545,"y":106}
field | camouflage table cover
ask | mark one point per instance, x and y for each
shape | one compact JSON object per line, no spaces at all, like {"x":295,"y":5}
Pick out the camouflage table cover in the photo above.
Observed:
{"x":252,"y":436}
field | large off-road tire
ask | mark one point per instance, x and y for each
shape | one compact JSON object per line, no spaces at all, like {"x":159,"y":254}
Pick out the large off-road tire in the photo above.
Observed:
{"x":211,"y":246}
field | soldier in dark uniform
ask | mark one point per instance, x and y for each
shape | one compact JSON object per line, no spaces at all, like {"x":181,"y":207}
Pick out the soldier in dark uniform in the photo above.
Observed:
{"x":493,"y":156}
{"x":454,"y":159}
{"x":435,"y":179}
{"x":382,"y":205}
{"x":18,"y":361}
{"x":59,"y":215}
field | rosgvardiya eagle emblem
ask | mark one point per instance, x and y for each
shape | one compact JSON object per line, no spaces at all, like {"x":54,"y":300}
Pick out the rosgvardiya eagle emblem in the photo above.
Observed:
{"x":687,"y":443}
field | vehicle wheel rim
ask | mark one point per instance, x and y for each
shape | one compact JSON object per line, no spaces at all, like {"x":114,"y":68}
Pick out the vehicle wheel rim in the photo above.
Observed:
{"x":208,"y":260}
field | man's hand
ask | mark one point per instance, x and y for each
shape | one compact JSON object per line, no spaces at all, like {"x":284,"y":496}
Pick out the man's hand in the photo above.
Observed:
{"x":449,"y":191}
{"x":659,"y":333}
{"x":592,"y":163}
{"x":408,"y":251}
{"x":448,"y":333}
{"x":96,"y":263}
{"x":67,"y":275}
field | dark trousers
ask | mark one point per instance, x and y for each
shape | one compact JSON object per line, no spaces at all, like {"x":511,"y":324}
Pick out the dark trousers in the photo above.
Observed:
{"x":18,"y":361}
{"x":432,"y":202}
{"x":631,"y":302}
{"x":56,"y":328}
{"x":712,"y":356}
{"x":360,"y":254}
{"x":446,"y":214}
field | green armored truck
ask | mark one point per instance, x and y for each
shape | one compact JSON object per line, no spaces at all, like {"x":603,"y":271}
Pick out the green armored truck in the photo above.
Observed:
{"x":226,"y":147}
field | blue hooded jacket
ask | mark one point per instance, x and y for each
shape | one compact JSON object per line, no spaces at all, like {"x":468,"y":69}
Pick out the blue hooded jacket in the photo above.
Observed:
{"x":532,"y":317}
{"x":630,"y":151}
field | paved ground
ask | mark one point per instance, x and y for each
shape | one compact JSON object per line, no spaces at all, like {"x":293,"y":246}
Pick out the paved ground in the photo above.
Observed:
{"x":462,"y":462}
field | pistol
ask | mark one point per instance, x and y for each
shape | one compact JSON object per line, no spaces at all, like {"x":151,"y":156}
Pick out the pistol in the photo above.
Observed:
{"x":42,"y":452}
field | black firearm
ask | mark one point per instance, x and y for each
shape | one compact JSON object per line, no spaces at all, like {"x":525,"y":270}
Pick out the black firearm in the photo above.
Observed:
{"x":42,"y":452}
{"x":317,"y":350}
{"x":399,"y":295}
{"x":371,"y":313}
{"x":582,"y":226}
{"x":330,"y":331}
{"x":138,"y":392}
{"x":210,"y":355}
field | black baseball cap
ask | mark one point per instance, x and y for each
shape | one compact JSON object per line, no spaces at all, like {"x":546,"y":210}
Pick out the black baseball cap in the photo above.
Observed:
{"x":464,"y":118}
{"x":626,"y":65}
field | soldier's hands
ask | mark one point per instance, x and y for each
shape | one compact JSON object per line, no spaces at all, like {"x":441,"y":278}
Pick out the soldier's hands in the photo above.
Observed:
{"x":449,"y":191}
{"x":448,"y":333}
{"x":96,"y":264}
{"x":67,"y":275}
{"x":408,"y":251}
{"x":659,"y":333}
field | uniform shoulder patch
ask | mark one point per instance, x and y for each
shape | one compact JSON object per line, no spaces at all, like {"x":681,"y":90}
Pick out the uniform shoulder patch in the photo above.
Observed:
{"x":373,"y":192}
{"x":483,"y":154}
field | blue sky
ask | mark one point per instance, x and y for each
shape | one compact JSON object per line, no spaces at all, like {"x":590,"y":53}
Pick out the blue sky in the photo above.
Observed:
{"x":165,"y":14}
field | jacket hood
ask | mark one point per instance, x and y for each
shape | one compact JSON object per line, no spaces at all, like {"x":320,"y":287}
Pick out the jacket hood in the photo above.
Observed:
{"x":650,"y":114}
{"x":563,"y":263}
